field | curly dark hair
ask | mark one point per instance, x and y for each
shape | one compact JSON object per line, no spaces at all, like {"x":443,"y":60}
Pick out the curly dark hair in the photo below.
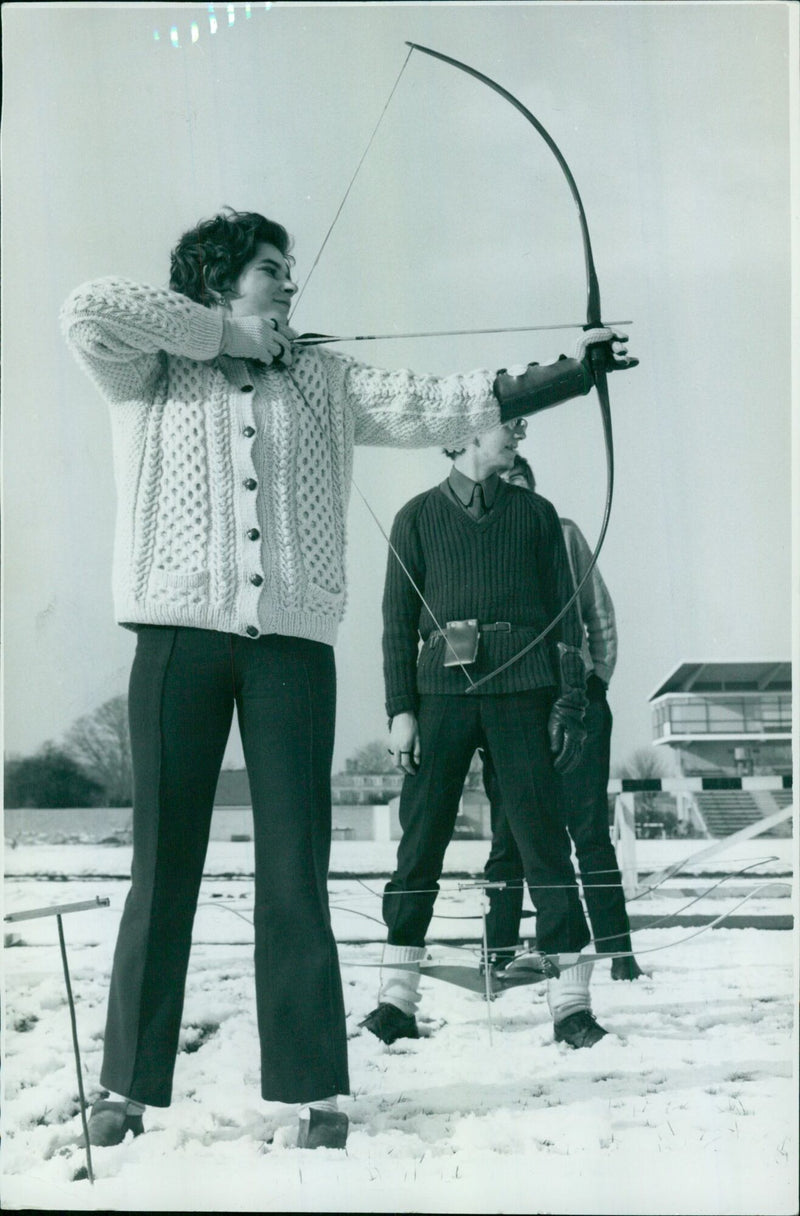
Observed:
{"x":208,"y":259}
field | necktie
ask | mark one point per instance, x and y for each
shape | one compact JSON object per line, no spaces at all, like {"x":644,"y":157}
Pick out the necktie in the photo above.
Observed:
{"x":477,"y":507}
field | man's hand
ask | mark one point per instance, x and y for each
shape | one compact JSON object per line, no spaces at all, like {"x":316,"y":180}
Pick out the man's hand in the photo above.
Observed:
{"x":607,"y":342}
{"x":263,"y":339}
{"x":404,"y":742}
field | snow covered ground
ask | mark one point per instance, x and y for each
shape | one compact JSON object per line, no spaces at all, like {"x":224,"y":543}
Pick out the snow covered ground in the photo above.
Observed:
{"x":688,"y":1106}
{"x":227,"y":858}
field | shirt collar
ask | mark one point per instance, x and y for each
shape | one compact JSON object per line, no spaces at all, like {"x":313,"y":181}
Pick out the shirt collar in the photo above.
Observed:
{"x":463,"y":486}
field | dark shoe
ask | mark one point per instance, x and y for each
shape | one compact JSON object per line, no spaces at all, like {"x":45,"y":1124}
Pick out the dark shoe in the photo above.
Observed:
{"x":625,"y":968}
{"x":579,"y":1030}
{"x":390,"y":1023}
{"x":109,"y":1123}
{"x":323,"y":1129}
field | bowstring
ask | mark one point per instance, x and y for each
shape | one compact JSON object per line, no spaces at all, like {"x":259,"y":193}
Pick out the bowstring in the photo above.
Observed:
{"x":339,"y":209}
{"x":403,"y":566}
{"x":473,"y":684}
{"x":297,"y":300}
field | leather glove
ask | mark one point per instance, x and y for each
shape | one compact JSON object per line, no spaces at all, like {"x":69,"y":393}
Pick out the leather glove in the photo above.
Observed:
{"x":565,"y":724}
{"x":256,"y":338}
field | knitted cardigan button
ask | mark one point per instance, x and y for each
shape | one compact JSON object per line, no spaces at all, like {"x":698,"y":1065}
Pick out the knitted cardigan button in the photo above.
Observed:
{"x":250,"y":483}
{"x":248,"y":431}
{"x":256,"y":580}
{"x":253,"y":534}
{"x":247,"y":388}
{"x":251,"y":631}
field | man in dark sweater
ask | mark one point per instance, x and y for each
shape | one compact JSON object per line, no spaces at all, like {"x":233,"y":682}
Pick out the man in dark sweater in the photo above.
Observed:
{"x":491,"y":558}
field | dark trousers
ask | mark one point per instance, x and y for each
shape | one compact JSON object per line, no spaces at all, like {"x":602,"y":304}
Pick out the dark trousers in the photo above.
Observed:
{"x":512,"y":728}
{"x":585,"y":807}
{"x":184,"y":685}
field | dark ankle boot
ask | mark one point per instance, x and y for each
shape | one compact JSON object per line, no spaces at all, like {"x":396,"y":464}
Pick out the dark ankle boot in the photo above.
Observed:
{"x":625,"y":968}
{"x":390,"y":1023}
{"x":579,"y":1030}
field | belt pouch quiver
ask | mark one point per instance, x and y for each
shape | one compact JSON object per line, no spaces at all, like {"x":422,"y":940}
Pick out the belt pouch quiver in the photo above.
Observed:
{"x":460,"y":643}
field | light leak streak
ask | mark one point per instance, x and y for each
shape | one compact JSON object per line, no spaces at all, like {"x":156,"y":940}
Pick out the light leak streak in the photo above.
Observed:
{"x":213,"y":23}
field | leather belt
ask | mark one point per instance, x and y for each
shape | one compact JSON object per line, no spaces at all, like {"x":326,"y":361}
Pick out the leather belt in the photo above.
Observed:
{"x":494,"y":627}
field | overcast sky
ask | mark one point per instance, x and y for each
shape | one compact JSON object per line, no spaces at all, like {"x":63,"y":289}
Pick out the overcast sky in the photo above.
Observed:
{"x":119,"y":134}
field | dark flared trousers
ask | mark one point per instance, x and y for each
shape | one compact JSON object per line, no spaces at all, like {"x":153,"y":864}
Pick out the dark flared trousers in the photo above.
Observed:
{"x":512,"y":728}
{"x":585,"y":808}
{"x":183,"y":688}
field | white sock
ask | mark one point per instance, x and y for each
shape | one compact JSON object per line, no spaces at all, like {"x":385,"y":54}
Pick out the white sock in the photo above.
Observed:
{"x":330,"y":1104}
{"x":400,"y":987}
{"x":131,"y":1107}
{"x":570,"y":992}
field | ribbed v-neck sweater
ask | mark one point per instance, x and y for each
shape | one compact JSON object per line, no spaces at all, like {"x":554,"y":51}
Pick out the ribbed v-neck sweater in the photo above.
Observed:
{"x":509,"y":566}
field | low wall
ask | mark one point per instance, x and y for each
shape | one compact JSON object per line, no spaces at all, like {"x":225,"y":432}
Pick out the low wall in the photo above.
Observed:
{"x":233,"y":823}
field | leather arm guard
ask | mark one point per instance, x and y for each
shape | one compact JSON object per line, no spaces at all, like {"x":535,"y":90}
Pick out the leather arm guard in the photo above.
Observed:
{"x":540,"y":387}
{"x":565,"y":725}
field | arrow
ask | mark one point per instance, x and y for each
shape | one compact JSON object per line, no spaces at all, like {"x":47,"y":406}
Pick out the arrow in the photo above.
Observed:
{"x":319,"y":339}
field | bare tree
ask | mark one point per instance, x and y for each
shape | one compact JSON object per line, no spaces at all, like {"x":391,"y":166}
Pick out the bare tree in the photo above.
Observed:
{"x":100,"y":742}
{"x":50,"y":778}
{"x":371,"y":758}
{"x":644,"y":763}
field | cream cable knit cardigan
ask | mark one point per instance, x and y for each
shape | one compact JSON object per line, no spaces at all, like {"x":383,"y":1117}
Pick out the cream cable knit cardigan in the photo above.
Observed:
{"x":232,"y":478}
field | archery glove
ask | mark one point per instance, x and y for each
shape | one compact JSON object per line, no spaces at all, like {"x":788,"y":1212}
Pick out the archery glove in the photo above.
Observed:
{"x":256,"y":338}
{"x":565,"y":724}
{"x":607,"y":346}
